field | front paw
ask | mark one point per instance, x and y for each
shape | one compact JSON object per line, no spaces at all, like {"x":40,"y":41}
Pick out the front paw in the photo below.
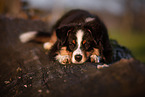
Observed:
{"x":95,"y":58}
{"x":63,"y":59}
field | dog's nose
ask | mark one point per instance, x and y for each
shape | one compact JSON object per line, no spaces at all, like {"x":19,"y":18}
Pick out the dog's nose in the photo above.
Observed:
{"x":78,"y":58}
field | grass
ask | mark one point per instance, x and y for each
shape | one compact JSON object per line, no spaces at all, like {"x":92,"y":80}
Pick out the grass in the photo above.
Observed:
{"x":134,"y":41}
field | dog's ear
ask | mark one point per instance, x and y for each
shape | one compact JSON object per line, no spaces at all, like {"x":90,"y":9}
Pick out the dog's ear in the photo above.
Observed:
{"x":100,"y":35}
{"x":96,"y":29}
{"x":62,"y":33}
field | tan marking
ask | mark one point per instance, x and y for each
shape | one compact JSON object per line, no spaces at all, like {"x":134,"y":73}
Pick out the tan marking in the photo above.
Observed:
{"x":84,"y":41}
{"x":42,"y":39}
{"x":48,"y":42}
{"x":53,"y":38}
{"x":96,"y":52}
{"x":63,"y":51}
{"x":95,"y":55}
{"x":74,"y":42}
{"x":70,"y":54}
{"x":88,"y":54}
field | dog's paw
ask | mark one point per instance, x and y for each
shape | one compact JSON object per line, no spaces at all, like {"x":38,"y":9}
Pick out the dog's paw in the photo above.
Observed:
{"x":47,"y":45}
{"x":102,"y":66}
{"x":65,"y":59}
{"x":95,"y":58}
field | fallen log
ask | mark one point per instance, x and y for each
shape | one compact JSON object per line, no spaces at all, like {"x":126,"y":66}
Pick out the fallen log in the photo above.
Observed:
{"x":27,"y":71}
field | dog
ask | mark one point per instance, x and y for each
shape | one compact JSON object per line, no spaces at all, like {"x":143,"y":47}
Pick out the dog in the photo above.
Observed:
{"x":77,"y":37}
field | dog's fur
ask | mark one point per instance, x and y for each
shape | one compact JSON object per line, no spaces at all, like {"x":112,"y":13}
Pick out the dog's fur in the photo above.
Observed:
{"x":77,"y":37}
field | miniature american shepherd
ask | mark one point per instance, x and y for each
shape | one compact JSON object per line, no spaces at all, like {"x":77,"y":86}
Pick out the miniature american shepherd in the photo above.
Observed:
{"x":77,"y":37}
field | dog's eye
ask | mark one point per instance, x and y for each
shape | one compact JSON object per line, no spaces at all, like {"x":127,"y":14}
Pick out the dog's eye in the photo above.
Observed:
{"x":87,"y":45}
{"x":72,"y":45}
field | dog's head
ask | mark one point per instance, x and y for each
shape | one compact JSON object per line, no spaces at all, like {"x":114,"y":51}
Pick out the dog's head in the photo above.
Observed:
{"x":80,"y":40}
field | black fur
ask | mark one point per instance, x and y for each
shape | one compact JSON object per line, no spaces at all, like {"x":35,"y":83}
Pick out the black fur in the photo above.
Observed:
{"x":97,"y":29}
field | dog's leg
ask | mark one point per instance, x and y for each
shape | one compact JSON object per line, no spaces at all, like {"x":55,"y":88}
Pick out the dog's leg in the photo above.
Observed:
{"x":64,"y":56}
{"x":47,"y":45}
{"x":95,"y":57}
{"x":102,"y":66}
{"x":41,"y":37}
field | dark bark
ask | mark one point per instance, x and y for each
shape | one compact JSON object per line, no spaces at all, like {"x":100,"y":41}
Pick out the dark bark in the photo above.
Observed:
{"x":25,"y":70}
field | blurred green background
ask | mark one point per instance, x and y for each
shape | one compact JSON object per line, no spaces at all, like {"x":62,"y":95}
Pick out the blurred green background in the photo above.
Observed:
{"x":125,"y":19}
{"x":133,"y":41}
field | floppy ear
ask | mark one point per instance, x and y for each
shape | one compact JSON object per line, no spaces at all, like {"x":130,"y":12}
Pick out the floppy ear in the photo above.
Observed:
{"x":62,"y":33}
{"x":96,"y":29}
{"x":100,"y":35}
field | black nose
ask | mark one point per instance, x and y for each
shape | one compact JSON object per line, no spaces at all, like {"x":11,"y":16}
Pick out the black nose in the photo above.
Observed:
{"x":78,"y":58}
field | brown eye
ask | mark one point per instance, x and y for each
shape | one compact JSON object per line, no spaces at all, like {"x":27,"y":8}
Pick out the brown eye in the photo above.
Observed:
{"x":87,"y":45}
{"x":72,"y":45}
